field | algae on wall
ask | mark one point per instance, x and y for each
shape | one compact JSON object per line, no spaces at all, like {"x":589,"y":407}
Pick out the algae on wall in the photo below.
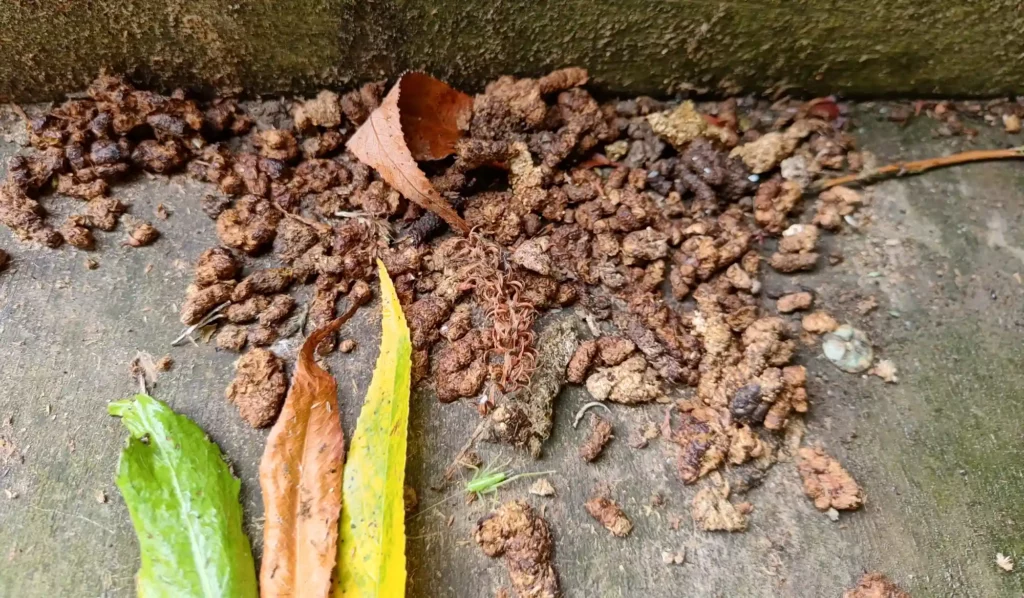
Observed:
{"x":872,"y":48}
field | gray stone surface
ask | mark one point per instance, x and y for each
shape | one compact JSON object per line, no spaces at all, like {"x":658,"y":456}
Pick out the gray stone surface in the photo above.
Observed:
{"x":939,"y":454}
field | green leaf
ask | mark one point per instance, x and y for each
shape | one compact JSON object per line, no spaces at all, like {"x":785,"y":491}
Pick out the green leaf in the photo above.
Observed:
{"x":183,"y":502}
{"x":371,"y":557}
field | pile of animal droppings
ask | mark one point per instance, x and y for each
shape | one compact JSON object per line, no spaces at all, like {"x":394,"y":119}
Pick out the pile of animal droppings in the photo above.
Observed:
{"x":652,"y":220}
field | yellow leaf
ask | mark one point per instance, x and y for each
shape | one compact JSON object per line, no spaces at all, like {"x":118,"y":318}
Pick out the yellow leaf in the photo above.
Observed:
{"x":371,"y":558}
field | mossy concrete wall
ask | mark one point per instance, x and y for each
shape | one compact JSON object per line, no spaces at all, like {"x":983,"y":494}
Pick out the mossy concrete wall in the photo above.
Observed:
{"x":868,"y":48}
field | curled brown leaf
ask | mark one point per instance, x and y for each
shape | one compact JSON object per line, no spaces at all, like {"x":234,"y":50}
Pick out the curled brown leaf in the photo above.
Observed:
{"x":419,"y":118}
{"x":300,"y":476}
{"x":433,"y":115}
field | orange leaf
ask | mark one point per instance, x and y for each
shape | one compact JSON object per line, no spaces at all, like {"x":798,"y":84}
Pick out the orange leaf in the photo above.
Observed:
{"x":382,"y":144}
{"x":433,"y":115}
{"x":300,"y":475}
{"x":596,"y":161}
{"x":824,"y":108}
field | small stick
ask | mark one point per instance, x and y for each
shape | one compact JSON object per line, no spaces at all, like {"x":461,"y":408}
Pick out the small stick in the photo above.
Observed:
{"x":206,"y":320}
{"x":482,"y":427}
{"x":583,"y":411}
{"x":900,"y":169}
{"x":20,"y":112}
{"x":319,"y":226}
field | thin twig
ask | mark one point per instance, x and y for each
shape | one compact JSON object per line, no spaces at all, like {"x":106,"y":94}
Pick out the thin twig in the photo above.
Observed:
{"x":210,"y":317}
{"x":583,"y":411}
{"x":320,"y":226}
{"x":482,"y":427}
{"x":900,"y":169}
{"x":20,"y":112}
{"x":75,"y":515}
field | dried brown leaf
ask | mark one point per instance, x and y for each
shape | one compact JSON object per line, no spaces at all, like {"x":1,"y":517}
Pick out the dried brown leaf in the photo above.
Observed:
{"x":433,"y":115}
{"x":390,"y":139}
{"x":300,"y":475}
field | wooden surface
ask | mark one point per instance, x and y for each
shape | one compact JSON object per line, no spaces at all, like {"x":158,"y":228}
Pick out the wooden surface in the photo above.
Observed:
{"x":939,"y":454}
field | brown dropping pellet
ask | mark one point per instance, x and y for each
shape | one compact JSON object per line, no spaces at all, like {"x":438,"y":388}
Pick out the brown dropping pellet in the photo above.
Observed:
{"x":600,"y":435}
{"x":231,"y":338}
{"x":259,"y":387}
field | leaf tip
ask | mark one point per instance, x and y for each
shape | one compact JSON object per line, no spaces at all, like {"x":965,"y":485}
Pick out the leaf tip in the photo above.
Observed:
{"x":120,"y":408}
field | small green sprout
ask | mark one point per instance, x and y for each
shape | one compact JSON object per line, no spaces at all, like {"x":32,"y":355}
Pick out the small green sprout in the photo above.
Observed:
{"x":490,"y":478}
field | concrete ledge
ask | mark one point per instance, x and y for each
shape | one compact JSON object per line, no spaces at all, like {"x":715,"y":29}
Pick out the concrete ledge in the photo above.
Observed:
{"x":871,"y":48}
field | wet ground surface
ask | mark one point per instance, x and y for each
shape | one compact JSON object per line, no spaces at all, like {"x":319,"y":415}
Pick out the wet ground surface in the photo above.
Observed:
{"x":939,"y":454}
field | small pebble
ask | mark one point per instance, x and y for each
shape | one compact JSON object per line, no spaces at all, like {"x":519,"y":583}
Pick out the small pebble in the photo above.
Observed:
{"x":1011,"y":122}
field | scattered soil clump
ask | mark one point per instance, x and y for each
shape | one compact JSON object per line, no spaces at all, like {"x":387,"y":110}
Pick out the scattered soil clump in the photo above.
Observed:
{"x":819,"y":322}
{"x":875,"y":585}
{"x":523,"y":537}
{"x":712,"y":510}
{"x":794,"y":302}
{"x":826,"y":482}
{"x":610,"y":515}
{"x":542,"y":487}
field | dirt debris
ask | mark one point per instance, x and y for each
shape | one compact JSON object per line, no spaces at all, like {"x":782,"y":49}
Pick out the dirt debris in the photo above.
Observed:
{"x":875,"y":585}
{"x":631,"y":382}
{"x":610,"y":515}
{"x":767,"y":151}
{"x":793,"y":262}
{"x":679,"y":126}
{"x":524,"y":419}
{"x":523,"y":537}
{"x":141,"y":234}
{"x":642,"y":437}
{"x":1004,"y":562}
{"x":249,"y":226}
{"x":712,"y":510}
{"x":263,"y":282}
{"x":867,"y":305}
{"x":248,"y":310}
{"x":594,"y":206}
{"x":322,"y":111}
{"x":826,"y":483}
{"x":542,"y":487}
{"x":819,"y":322}
{"x":613,"y":350}
{"x":199,"y":301}
{"x":461,"y":367}
{"x":886,"y":370}
{"x":834,"y":205}
{"x":794,"y":302}
{"x":231,"y":338}
{"x":216,"y":265}
{"x":599,"y":436}
{"x":579,"y":364}
{"x":278,"y":308}
{"x":259,"y":387}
